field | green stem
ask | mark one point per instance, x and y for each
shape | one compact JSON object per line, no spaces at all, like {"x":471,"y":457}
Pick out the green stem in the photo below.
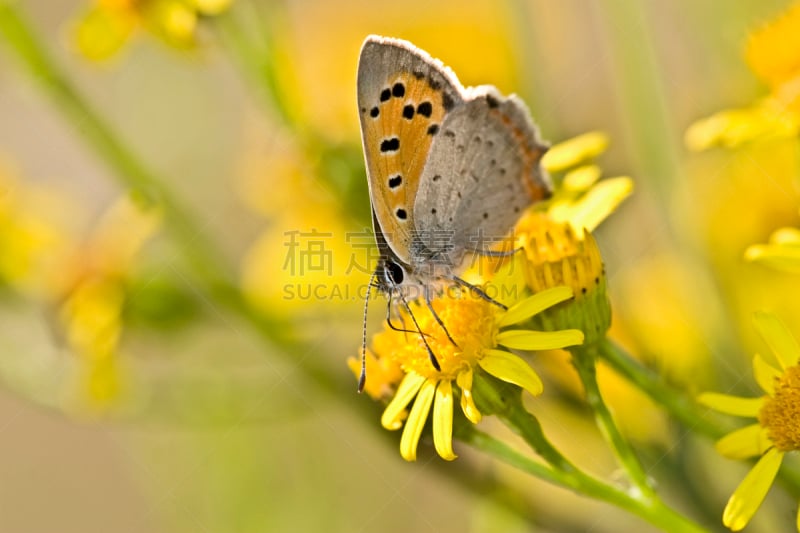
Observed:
{"x":676,"y":402}
{"x":507,"y":405}
{"x":584,"y":358}
{"x":246,"y":33}
{"x":252,"y":50}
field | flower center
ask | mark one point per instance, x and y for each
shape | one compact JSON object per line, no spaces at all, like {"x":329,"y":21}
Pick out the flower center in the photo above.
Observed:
{"x":470,"y":322}
{"x":557,"y":256}
{"x":781,"y":413}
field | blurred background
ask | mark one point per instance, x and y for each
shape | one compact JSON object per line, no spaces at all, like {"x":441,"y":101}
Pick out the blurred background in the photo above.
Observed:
{"x":133,"y":401}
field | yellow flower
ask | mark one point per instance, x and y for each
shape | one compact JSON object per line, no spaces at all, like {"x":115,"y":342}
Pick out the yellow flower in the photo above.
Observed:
{"x":34,"y":225}
{"x":89,"y":292}
{"x":304,"y":254}
{"x":581,"y":199}
{"x":556,"y":255}
{"x":773,"y":54}
{"x":556,"y":238}
{"x":106,"y":26}
{"x":776,"y":430}
{"x":781,"y":253}
{"x":483,"y":333}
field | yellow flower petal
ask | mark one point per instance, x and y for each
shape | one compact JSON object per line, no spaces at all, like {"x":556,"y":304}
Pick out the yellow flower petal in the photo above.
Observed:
{"x":535,"y":304}
{"x":443,"y":420}
{"x":778,"y":256}
{"x":102,"y":32}
{"x":394,"y":414}
{"x":464,"y":382}
{"x":732,"y":405}
{"x":785,"y":237}
{"x":771,"y":50}
{"x":581,"y":178}
{"x":211,"y":7}
{"x":599,"y":202}
{"x":743,"y":443}
{"x":416,"y":421}
{"x":748,"y":496}
{"x":733,"y":127}
{"x":765,"y":374}
{"x":780,"y":340}
{"x":539,"y":340}
{"x":512,"y":369}
{"x":575,"y":150}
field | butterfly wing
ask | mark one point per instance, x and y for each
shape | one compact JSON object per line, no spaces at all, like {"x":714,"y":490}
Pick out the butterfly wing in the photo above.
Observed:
{"x":483,"y":170}
{"x":404,"y":96}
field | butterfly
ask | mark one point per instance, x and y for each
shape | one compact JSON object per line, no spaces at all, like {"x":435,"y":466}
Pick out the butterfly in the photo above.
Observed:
{"x":447,"y":166}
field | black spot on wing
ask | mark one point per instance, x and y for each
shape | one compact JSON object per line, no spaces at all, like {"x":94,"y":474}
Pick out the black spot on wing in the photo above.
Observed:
{"x":395,"y":181}
{"x":374,"y":112}
{"x":408,"y":112}
{"x":401,"y":214}
{"x":398,"y":90}
{"x":447,"y":101}
{"x":390,"y":145}
{"x":433,"y":129}
{"x":385,"y":95}
{"x":425,"y":109}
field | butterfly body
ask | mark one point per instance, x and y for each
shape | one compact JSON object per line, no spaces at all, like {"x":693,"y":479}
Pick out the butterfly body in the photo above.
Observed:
{"x":449,"y":167}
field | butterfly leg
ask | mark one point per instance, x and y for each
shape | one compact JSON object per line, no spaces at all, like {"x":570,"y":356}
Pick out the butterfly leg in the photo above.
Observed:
{"x":497,"y":253}
{"x":402,"y":322}
{"x":422,"y":335}
{"x":436,"y":316}
{"x":480,"y":292}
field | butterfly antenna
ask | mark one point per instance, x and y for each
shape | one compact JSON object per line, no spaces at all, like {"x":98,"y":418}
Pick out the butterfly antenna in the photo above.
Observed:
{"x":362,"y":379}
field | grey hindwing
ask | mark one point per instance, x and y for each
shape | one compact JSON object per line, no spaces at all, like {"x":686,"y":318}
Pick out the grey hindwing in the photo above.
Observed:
{"x":473,"y":187}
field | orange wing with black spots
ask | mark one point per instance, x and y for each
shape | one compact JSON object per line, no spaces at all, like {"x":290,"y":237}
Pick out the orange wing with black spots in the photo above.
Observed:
{"x":404,"y":96}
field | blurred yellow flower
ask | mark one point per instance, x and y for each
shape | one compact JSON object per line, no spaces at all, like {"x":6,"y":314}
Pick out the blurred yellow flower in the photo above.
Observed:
{"x":108,"y":24}
{"x":781,"y":253}
{"x":777,"y":427}
{"x":773,"y":54}
{"x":33,"y":233}
{"x":306,"y":254}
{"x":483,"y":333}
{"x":315,"y":59}
{"x":89,"y":292}
{"x":582,"y":199}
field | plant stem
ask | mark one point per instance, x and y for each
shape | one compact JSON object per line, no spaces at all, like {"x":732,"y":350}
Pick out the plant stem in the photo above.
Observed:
{"x":676,"y":402}
{"x":507,"y":405}
{"x":584,"y":358}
